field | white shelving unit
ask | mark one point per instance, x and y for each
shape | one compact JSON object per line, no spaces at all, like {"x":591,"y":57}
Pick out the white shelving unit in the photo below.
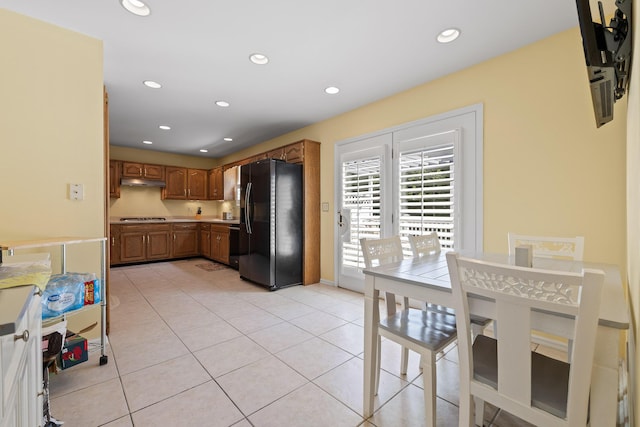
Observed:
{"x":62,"y":242}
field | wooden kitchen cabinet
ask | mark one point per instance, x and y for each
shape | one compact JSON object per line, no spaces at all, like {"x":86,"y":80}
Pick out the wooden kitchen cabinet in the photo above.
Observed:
{"x":277,"y":154}
{"x":185,"y":240}
{"x":139,"y":243}
{"x":142,"y":170}
{"x":294,"y":153}
{"x":176,"y":183}
{"x":197,"y":184}
{"x":185,"y":184}
{"x":114,"y":178}
{"x":114,"y":244}
{"x":220,"y":243}
{"x":216,"y":184}
{"x":204,"y":239}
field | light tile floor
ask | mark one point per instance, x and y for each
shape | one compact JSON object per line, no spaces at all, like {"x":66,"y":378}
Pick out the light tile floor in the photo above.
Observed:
{"x":190,"y":347}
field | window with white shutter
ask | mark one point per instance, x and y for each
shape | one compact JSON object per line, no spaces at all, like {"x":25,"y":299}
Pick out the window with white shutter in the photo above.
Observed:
{"x":360,"y":206}
{"x":426,"y":193}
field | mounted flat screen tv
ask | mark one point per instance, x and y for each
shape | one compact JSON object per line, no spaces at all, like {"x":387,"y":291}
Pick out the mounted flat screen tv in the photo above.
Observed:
{"x":607,"y":51}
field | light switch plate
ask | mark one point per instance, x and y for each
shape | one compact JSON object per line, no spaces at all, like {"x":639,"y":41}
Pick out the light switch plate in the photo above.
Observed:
{"x":325,"y":207}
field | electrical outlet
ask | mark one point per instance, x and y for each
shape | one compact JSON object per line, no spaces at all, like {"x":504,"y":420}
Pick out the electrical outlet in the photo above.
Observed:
{"x":76,"y":191}
{"x":325,"y":207}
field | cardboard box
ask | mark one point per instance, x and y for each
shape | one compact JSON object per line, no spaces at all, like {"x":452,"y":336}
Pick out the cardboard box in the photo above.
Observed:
{"x":74,"y":351}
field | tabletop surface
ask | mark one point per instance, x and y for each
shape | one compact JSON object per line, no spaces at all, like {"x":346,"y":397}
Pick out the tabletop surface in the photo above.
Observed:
{"x":431,"y":271}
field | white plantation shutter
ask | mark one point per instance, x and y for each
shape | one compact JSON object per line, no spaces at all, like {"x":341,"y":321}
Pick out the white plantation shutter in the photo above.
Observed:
{"x":426,"y":193}
{"x":361,"y":205}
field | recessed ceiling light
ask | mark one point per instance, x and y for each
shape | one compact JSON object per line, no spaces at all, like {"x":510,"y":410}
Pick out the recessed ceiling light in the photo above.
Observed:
{"x":204,"y":151}
{"x":164,"y":127}
{"x":258,"y":58}
{"x":332,"y":90}
{"x":448,"y":35}
{"x":136,"y":7}
{"x":147,"y":142}
{"x":222,"y":103}
{"x":152,"y":84}
{"x":228,"y":139}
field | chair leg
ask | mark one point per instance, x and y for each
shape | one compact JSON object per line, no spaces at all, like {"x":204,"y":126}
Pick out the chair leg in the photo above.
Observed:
{"x":428,"y":361}
{"x":404,"y":361}
{"x":479,"y":404}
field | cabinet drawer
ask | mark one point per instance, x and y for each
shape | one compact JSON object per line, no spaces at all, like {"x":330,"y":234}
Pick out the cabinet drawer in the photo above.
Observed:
{"x":187,"y":226}
{"x":144,"y":227}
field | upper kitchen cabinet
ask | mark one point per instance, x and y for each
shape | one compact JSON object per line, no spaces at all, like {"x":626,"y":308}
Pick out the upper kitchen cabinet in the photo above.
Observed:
{"x":176,"y":183}
{"x":197,"y":184}
{"x":114,"y":178}
{"x":216,"y":184}
{"x":232,"y":183}
{"x":185,"y":184}
{"x":294,"y":153}
{"x":277,"y":154}
{"x":141,"y":170}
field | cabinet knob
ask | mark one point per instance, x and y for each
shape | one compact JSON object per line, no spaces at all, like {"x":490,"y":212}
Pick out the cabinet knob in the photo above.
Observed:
{"x":38,"y":292}
{"x":24,"y":337}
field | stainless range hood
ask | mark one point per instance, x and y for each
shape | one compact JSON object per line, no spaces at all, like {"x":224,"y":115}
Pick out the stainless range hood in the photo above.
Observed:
{"x":137,"y":182}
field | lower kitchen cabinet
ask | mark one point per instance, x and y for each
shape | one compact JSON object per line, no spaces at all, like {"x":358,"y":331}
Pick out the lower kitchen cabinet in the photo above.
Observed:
{"x":146,"y":242}
{"x":185,"y":240}
{"x":220,"y":243}
{"x":205,"y":240}
{"x":134,"y":243}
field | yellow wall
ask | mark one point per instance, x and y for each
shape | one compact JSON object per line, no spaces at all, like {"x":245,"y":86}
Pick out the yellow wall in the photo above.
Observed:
{"x":547,"y":169}
{"x":51,"y":114}
{"x":144,"y":201}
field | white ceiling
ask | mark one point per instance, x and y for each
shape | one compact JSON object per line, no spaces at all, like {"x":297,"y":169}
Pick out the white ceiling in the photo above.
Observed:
{"x":199,"y":50}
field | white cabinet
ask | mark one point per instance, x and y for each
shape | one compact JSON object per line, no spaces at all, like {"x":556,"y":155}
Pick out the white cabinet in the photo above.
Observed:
{"x":20,"y":357}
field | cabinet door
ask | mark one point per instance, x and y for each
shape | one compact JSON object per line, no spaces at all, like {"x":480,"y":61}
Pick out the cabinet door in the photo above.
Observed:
{"x":132,"y":170}
{"x":294,"y":153}
{"x":216,"y":184}
{"x":158,"y":244}
{"x":132,"y":246}
{"x":114,"y":178}
{"x":176,"y":184}
{"x":278,"y":153}
{"x":197,"y":184}
{"x":185,"y":240}
{"x":114,"y":245}
{"x":205,"y":240}
{"x":153,"y":171}
{"x":220,"y":244}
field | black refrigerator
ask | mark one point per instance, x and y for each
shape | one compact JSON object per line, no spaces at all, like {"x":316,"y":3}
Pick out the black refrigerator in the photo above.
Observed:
{"x":271,"y":223}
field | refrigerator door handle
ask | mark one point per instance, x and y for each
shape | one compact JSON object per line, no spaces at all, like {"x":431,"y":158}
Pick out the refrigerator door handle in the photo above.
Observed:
{"x":247,"y":215}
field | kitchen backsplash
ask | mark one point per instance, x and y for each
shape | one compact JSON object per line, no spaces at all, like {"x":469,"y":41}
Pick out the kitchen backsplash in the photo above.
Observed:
{"x":146,"y":202}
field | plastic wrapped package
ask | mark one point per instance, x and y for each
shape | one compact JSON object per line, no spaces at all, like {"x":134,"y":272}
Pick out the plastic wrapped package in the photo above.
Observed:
{"x":69,"y":291}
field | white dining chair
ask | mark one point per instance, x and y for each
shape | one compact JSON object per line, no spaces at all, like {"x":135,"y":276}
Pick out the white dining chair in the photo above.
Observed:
{"x":423,"y":331}
{"x":504,"y":371}
{"x":571,"y":248}
{"x":429,"y":244}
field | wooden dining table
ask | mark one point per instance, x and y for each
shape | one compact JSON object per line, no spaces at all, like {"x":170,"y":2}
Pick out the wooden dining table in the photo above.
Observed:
{"x":427,"y":279}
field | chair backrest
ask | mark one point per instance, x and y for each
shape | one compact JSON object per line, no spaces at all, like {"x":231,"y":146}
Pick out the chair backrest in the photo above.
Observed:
{"x":425,"y":245}
{"x":381,"y":251}
{"x":519,"y":299}
{"x":570,"y":248}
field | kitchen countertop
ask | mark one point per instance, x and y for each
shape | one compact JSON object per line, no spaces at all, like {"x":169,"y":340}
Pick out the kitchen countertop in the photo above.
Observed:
{"x":168,"y":220}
